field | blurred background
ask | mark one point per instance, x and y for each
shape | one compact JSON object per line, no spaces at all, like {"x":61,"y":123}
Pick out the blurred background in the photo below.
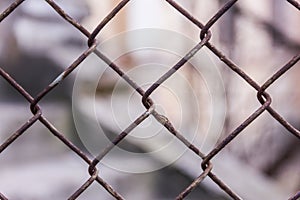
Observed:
{"x":36,"y":45}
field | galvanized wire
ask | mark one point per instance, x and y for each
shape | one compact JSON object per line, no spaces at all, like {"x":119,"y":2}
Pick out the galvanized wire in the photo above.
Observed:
{"x":205,"y":34}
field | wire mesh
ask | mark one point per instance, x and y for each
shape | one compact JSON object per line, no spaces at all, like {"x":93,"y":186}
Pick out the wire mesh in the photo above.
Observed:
{"x":204,"y":42}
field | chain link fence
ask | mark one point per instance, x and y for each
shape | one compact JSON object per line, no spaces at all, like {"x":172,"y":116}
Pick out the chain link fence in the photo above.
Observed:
{"x":205,"y":35}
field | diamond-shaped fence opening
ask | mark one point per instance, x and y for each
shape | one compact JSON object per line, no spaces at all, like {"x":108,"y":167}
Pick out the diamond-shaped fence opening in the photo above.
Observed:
{"x":189,"y":139}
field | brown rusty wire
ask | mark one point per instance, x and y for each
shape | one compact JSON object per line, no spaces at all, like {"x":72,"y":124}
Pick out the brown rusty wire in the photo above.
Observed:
{"x":296,"y":196}
{"x":205,"y":34}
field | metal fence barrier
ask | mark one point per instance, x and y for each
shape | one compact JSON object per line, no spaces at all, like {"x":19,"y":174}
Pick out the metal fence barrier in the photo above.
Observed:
{"x":204,"y":41}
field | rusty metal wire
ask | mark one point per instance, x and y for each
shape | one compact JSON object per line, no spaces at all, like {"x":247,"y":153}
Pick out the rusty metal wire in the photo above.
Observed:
{"x":205,"y":34}
{"x":296,"y":196}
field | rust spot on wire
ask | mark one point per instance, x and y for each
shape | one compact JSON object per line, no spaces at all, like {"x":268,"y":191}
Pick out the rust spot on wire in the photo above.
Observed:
{"x":10,"y":9}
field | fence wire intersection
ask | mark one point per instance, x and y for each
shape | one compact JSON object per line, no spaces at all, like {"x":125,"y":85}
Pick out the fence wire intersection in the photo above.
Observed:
{"x":204,"y":42}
